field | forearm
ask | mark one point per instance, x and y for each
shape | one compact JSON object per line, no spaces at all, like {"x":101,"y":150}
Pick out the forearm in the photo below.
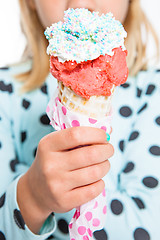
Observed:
{"x":12,"y":225}
{"x":33,"y":215}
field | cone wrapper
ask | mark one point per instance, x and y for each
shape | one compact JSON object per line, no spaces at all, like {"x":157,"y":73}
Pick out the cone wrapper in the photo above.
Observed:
{"x":91,"y":216}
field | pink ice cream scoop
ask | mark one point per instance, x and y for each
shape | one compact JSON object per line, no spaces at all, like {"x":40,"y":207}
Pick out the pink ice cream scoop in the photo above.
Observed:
{"x":93,"y":77}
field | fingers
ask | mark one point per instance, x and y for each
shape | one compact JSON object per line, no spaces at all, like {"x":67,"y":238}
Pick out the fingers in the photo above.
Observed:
{"x":84,"y":194}
{"x":73,"y":137}
{"x":87,"y":156}
{"x":89,"y":175}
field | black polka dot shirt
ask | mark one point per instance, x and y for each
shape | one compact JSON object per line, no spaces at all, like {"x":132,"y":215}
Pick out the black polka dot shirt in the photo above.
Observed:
{"x":132,"y":185}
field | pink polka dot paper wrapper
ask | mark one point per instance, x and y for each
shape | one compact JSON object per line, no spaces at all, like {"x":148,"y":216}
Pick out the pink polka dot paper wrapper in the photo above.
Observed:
{"x":91,"y":216}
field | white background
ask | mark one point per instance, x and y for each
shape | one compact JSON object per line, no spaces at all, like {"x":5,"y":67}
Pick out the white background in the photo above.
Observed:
{"x":12,"y":41}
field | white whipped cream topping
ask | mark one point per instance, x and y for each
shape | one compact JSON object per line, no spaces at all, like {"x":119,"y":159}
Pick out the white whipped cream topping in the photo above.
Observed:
{"x":84,"y":36}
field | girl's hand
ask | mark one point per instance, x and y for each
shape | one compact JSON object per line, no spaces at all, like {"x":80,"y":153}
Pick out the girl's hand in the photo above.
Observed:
{"x":67,"y":172}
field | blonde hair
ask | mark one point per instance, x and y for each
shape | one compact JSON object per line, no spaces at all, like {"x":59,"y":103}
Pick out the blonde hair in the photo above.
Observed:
{"x":135,"y":22}
{"x":37,"y":43}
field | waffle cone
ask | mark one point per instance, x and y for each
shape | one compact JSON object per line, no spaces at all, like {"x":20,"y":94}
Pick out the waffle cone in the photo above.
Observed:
{"x":94,"y":107}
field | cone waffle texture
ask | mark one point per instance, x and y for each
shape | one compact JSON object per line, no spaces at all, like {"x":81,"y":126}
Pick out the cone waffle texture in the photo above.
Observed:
{"x":95,"y":107}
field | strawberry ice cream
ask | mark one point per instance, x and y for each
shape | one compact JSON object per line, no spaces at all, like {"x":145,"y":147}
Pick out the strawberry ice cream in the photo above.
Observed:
{"x":94,"y":77}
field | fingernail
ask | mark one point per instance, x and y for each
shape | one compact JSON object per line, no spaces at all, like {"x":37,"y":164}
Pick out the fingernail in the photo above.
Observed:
{"x":108,"y":137}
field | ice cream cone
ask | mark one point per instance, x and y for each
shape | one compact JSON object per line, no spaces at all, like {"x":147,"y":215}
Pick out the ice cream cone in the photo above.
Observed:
{"x":88,"y":61}
{"x":94,"y":107}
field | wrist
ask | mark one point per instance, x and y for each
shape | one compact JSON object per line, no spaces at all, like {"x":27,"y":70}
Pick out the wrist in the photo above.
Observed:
{"x":34,"y":216}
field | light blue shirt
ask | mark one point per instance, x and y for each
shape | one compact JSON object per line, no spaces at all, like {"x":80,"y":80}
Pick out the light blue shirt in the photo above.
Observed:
{"x":132,"y":185}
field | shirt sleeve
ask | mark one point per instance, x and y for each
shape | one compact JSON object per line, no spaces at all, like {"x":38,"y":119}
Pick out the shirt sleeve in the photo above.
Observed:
{"x":12,"y":223}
